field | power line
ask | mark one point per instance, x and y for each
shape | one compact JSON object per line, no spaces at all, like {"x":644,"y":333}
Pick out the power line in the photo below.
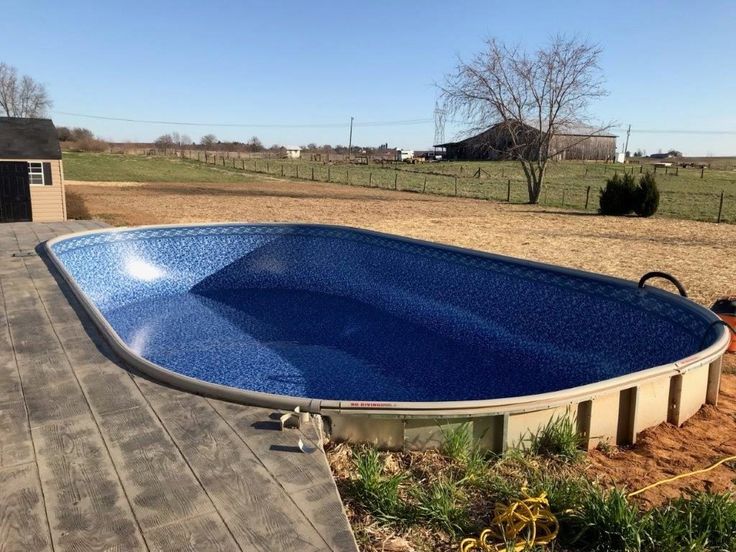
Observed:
{"x":403,"y":122}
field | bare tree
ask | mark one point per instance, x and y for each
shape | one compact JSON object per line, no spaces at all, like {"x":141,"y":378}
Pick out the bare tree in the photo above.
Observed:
{"x":208,"y":140}
{"x":528,"y":98}
{"x":21,"y":96}
{"x":164,"y":142}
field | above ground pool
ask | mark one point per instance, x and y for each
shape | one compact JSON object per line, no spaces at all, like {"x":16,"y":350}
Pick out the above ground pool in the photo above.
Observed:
{"x":342,"y":321}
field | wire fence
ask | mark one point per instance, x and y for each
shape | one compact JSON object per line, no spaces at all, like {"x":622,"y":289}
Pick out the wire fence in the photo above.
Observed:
{"x":692,"y":193}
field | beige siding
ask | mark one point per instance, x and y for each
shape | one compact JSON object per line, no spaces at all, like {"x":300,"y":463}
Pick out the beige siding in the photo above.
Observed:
{"x":48,"y":203}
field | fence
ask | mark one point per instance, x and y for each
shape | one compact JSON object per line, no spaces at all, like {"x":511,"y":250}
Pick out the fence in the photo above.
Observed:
{"x":695,"y":196}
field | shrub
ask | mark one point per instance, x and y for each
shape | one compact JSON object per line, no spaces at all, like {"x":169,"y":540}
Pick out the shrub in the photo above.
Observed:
{"x":647,"y":196}
{"x":619,"y":195}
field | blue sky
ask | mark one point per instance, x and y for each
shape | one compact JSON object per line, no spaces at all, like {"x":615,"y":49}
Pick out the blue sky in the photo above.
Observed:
{"x":668,"y":65}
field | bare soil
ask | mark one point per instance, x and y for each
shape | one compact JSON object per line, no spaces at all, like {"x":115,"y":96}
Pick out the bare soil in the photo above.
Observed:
{"x":700,"y":254}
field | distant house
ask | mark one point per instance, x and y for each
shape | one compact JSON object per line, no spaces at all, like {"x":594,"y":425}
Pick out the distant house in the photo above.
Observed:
{"x":495,"y":144}
{"x":31,"y":172}
{"x":293,"y":152}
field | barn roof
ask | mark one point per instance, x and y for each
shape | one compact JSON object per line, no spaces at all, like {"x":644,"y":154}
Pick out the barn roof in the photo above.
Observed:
{"x":578,"y":131}
{"x":22,"y":138}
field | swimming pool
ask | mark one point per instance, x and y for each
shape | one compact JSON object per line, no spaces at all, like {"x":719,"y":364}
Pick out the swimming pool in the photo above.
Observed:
{"x":383,"y":334}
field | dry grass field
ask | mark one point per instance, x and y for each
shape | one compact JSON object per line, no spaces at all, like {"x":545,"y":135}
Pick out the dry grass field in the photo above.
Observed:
{"x":699,"y":253}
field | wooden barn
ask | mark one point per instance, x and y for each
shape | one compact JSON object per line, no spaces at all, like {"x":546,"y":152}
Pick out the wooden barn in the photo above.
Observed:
{"x":496,"y":144}
{"x":31,"y":173}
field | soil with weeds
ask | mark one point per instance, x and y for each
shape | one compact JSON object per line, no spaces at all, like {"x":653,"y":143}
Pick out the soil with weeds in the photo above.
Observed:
{"x":422,"y":501}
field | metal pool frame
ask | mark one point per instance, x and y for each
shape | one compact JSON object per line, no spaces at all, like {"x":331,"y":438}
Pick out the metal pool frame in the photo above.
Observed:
{"x":613,"y":410}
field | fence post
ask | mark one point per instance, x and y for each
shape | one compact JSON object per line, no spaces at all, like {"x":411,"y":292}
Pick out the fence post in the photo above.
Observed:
{"x":242,"y":163}
{"x":508,"y":191}
{"x":396,"y":180}
{"x":587,"y":197}
{"x":666,"y":171}
{"x":223,"y":161}
{"x":347,"y":176}
{"x":282,"y":170}
{"x":329,"y":174}
{"x":370,"y":179}
{"x":424,"y":188}
{"x":312,"y":174}
{"x":586,"y":171}
{"x":702,"y":171}
{"x":205,"y":156}
{"x":456,"y":186}
{"x":297,"y":171}
{"x":641,"y":168}
{"x":720,"y":208}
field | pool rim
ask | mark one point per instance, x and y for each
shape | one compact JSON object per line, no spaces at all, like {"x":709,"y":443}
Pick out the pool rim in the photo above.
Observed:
{"x":515,"y":404}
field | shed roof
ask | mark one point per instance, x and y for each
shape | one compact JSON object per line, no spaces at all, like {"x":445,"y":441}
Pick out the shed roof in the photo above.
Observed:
{"x":22,"y":138}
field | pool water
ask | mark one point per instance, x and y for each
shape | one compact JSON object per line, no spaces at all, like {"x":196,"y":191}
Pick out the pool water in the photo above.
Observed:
{"x":346,"y":315}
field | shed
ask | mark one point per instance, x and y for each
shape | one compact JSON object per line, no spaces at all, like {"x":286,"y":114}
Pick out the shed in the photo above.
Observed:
{"x":31,"y":172}
{"x":293,"y":152}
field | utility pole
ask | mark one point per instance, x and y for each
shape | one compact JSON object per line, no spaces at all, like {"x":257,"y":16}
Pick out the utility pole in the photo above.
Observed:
{"x":626,"y":146}
{"x":350,"y":141}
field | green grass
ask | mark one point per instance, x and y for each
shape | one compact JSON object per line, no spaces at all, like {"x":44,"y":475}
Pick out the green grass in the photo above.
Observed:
{"x":138,"y":168}
{"x":569,"y":183}
{"x":558,"y":439}
{"x":683,"y":194}
{"x":378,"y":492}
{"x":439,"y":497}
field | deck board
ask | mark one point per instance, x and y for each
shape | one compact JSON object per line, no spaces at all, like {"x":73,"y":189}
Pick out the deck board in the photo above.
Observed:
{"x":22,"y":518}
{"x":94,"y":456}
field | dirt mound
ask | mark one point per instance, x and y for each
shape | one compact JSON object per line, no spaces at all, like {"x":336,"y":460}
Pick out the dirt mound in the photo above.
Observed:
{"x":666,"y":450}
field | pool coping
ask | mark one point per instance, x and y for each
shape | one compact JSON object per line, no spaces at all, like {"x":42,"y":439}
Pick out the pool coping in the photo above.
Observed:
{"x":437,"y":409}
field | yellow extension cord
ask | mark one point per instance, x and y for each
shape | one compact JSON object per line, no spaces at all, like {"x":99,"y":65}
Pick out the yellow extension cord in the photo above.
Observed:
{"x":529,"y":522}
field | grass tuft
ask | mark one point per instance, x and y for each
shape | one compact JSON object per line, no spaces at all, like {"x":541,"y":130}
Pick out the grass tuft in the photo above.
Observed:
{"x":606,"y":520}
{"x":377,"y":492}
{"x":559,"y":439}
{"x":440,"y":503}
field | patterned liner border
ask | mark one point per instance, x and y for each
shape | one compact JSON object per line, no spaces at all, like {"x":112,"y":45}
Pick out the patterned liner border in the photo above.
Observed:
{"x":586,"y":283}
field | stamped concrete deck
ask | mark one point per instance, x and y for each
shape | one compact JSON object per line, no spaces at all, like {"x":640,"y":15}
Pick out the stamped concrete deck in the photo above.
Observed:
{"x":94,"y":456}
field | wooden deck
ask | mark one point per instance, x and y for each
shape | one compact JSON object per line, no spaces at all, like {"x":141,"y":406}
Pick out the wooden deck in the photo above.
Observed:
{"x":94,"y":456}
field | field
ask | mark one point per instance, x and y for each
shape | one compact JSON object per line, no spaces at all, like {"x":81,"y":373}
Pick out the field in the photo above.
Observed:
{"x":570,"y":184}
{"x":139,"y":168}
{"x":699,"y":253}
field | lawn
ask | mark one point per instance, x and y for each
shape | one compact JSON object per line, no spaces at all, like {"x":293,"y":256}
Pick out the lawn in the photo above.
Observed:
{"x":569,"y":184}
{"x":104,"y":167}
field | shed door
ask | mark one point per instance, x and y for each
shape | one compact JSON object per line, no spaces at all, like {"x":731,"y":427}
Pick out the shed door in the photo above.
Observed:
{"x":15,"y":192}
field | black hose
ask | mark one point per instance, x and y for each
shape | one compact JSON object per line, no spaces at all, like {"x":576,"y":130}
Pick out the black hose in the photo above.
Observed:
{"x":719,"y":322}
{"x":668,"y":277}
